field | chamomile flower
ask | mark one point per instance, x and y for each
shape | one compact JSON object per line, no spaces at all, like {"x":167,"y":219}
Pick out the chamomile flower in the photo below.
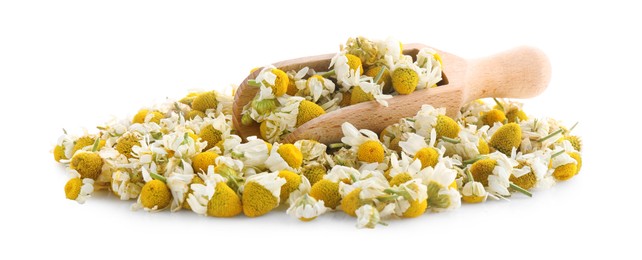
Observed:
{"x":426,"y":153}
{"x":63,"y":149}
{"x":214,"y":197}
{"x":471,"y":143}
{"x":154,"y":196}
{"x":125,"y":186}
{"x":367,"y":50}
{"x":284,"y":157}
{"x":428,"y":118}
{"x":360,"y":192}
{"x":261,"y":193}
{"x":442,"y":192}
{"x":87,"y":164}
{"x":364,"y":89}
{"x":296,"y":79}
{"x":403,"y":169}
{"x":316,"y":87}
{"x":430,"y":63}
{"x":563,"y":165}
{"x":473,"y":192}
{"x":276,"y":79}
{"x":506,"y":137}
{"x":78,"y":188}
{"x":367,"y":216}
{"x":327,"y":191}
{"x":347,"y":68}
{"x":178,"y":182}
{"x":365,"y":142}
{"x":494,"y":172}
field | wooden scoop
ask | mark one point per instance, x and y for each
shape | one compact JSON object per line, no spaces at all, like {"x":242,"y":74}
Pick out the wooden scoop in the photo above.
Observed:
{"x":522,"y":72}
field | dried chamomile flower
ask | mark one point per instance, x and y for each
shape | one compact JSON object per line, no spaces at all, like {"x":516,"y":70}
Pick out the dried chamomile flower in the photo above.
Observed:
{"x":347,"y":68}
{"x":473,"y":192}
{"x":365,"y":142}
{"x":361,"y":192}
{"x":506,"y":138}
{"x":292,"y":182}
{"x":494,"y":172}
{"x":442,"y":189}
{"x":431,"y":68}
{"x":276,"y":79}
{"x":155,"y":195}
{"x":214,"y":197}
{"x":308,"y":111}
{"x":317,"y":87}
{"x":405,"y":77}
{"x":88,"y":164}
{"x":79,"y":189}
{"x":428,"y":118}
{"x":146,"y":116}
{"x":564,"y":166}
{"x":385,"y":79}
{"x":493,"y":116}
{"x":314,"y":172}
{"x":284,"y":157}
{"x":368,"y":217}
{"x":367,"y":50}
{"x":306,"y":208}
{"x":253,"y":153}
{"x":125,"y":186}
{"x":261,"y":193}
{"x":327,"y":191}
{"x":201,"y":161}
{"x":125,"y":143}
{"x":425,"y":152}
{"x":205,"y":101}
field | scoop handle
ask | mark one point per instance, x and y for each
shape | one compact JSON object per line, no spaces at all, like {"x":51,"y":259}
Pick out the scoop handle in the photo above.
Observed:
{"x":522,"y":72}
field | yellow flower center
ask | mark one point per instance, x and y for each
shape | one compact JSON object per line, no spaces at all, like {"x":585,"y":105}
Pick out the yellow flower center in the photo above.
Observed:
{"x":88,"y":164}
{"x":516,"y":115}
{"x":291,"y":155}
{"x":526,"y":181}
{"x":327,"y":191}
{"x":482,"y":169}
{"x":157,"y":116}
{"x":140,"y":116}
{"x":194,"y":113}
{"x":59,"y":153}
{"x":404,"y":80}
{"x":187,"y":100}
{"x":263,"y":131}
{"x":125,"y":144}
{"x":72,"y":188}
{"x":416,"y":209}
{"x":385,"y":79}
{"x":280,"y":84}
{"x":482,"y":146}
{"x":224,"y":203}
{"x":292,"y":182}
{"x":351,"y":202}
{"x":575,"y":141}
{"x":155,"y":194}
{"x":428,"y":157}
{"x":205,"y":101}
{"x":472,"y":199}
{"x":314,"y":172}
{"x":400,"y":178}
{"x":492,"y":116}
{"x":211,"y":135}
{"x":578,"y":159}
{"x":358,"y":96}
{"x":82,"y":143}
{"x":506,"y":138}
{"x":370,"y":151}
{"x":257,"y":200}
{"x":202,"y":161}
{"x":565,"y":172}
{"x":355,"y":64}
{"x":447,"y":127}
{"x":307,"y":111}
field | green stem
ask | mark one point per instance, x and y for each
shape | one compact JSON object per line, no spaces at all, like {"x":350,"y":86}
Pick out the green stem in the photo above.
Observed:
{"x":64,"y":131}
{"x":253,"y":83}
{"x":473,"y":160}
{"x":328,"y":73}
{"x":572,"y":127}
{"x":558,"y":153}
{"x":450,"y":140}
{"x":378,"y":77}
{"x":550,"y":135}
{"x":336,"y":145}
{"x":521,"y":190}
{"x":95,"y":147}
{"x":499,"y":104}
{"x":470,"y":175}
{"x":158,"y":177}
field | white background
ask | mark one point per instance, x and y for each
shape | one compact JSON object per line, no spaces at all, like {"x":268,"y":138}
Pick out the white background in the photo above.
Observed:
{"x":74,"y":64}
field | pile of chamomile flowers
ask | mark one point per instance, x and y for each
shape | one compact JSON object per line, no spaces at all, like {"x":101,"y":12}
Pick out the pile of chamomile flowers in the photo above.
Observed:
{"x":185,"y":155}
{"x":364,"y":70}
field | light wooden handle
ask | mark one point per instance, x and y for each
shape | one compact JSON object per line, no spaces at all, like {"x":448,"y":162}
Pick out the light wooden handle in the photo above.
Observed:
{"x":522,"y":72}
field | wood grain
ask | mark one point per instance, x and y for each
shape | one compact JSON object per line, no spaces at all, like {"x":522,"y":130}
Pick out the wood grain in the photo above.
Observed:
{"x":522,"y":72}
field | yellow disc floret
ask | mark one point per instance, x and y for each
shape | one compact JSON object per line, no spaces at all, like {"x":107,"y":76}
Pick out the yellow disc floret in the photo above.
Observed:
{"x":140,"y":116}
{"x":482,"y":146}
{"x":313,"y":172}
{"x":72,"y":188}
{"x":211,"y":135}
{"x":526,"y":181}
{"x":82,"y":143}
{"x":292,"y":182}
{"x":281,"y":82}
{"x":565,"y":172}
{"x":370,"y":151}
{"x":291,"y":155}
{"x":428,"y":157}
{"x":400,"y":178}
{"x":224,"y":203}
{"x":447,"y":127}
{"x":359,"y":96}
{"x":492,"y":116}
{"x":202,"y":161}
{"x":351,"y":202}
{"x":355,"y":64}
{"x":516,"y":115}
{"x":578,"y":159}
{"x":257,"y":200}
{"x":416,"y":209}
{"x":155,"y":194}
{"x":205,"y":101}
{"x":575,"y":141}
{"x":327,"y":191}
{"x":404,"y":80}
{"x":59,"y":153}
{"x":482,"y":169}
{"x":308,"y":111}
{"x":125,"y":144}
{"x":506,"y":138}
{"x":385,"y":79}
{"x":87,"y":164}
{"x":194,"y":113}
